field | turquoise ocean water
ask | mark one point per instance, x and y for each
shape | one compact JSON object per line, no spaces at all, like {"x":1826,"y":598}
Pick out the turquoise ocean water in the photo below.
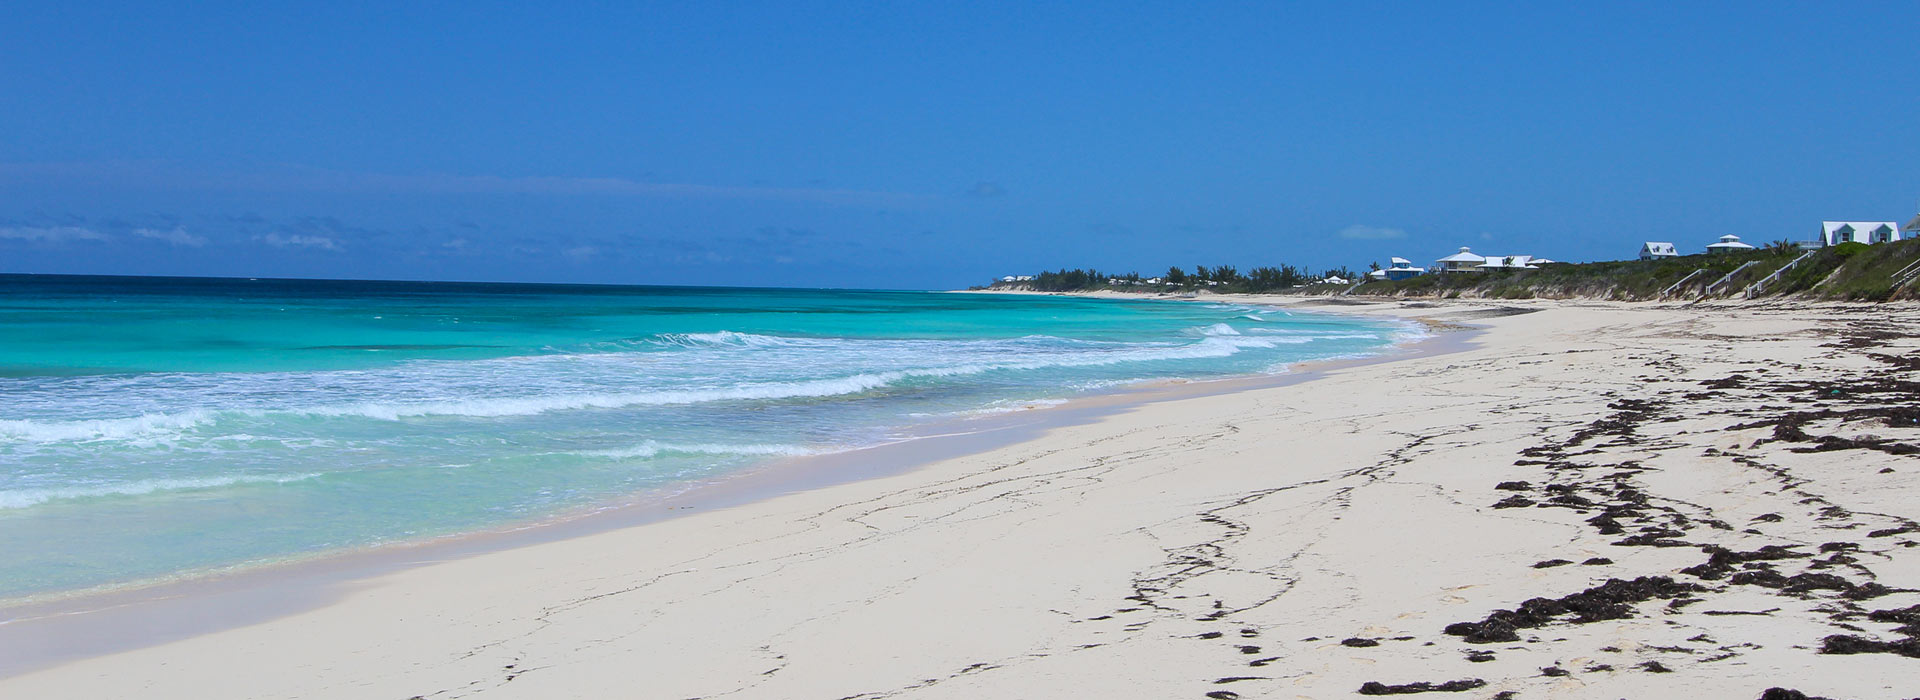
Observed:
{"x":159,"y":427}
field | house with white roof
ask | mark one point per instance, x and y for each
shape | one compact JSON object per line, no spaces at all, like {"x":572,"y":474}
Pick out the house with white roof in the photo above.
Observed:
{"x":1509,"y":262}
{"x":1838,"y":232}
{"x":1728,"y":244}
{"x":1911,"y":230}
{"x":1463,"y":261}
{"x":1652,"y":250}
{"x":1400,"y":268}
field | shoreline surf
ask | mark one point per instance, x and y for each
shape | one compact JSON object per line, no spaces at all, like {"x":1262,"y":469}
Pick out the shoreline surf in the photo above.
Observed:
{"x":201,"y":602}
{"x":237,"y":427}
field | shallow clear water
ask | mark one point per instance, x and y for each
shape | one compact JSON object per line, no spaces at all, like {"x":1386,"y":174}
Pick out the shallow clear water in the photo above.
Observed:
{"x":155,"y":426}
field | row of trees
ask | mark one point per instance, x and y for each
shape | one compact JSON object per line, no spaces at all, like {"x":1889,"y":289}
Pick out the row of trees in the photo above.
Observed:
{"x":1223,"y":278}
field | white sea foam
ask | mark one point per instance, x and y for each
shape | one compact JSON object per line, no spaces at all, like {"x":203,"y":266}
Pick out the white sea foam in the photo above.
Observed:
{"x":497,"y":407}
{"x":650,"y":448}
{"x":543,"y":384}
{"x":732,"y":339}
{"x":102,"y":429}
{"x":28,"y":498}
{"x":1000,"y":407}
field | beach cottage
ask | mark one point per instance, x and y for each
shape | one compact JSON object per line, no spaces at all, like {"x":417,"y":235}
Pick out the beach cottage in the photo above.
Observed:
{"x":1509,"y":262}
{"x":1463,"y":261}
{"x":1652,"y":250}
{"x":1911,"y":230}
{"x":1399,"y":269}
{"x":1403,"y":268}
{"x":1728,"y":244}
{"x":1869,"y":232}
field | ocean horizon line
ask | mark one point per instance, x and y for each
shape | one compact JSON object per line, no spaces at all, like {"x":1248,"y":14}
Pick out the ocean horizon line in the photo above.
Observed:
{"x":510,"y":283}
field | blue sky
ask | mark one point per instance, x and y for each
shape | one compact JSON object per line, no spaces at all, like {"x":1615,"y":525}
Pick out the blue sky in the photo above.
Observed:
{"x":931,"y":145}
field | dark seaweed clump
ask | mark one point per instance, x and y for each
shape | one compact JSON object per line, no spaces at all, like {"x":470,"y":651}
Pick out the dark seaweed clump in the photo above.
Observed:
{"x":1721,"y":561}
{"x":1612,"y":600}
{"x":1908,"y":619}
{"x":1378,"y":688}
{"x":1785,"y":694}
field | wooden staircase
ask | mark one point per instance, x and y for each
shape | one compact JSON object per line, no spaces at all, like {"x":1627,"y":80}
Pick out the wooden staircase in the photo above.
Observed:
{"x":1683,"y":280}
{"x":1754,"y":290}
{"x":1724,"y":280}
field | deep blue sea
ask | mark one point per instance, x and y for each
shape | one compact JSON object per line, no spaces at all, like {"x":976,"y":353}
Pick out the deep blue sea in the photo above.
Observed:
{"x":153,"y":428}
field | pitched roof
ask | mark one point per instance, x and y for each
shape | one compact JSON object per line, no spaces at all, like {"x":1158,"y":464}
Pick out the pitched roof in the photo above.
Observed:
{"x":1518,"y":261}
{"x":1730,"y":242}
{"x":1913,"y":225}
{"x":1465,"y":255}
{"x":1657,"y":247}
{"x":1828,"y":227}
{"x":1855,"y":230}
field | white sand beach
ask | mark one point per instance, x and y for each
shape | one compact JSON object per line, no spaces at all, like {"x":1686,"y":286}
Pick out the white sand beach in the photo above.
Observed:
{"x":1299,"y":541}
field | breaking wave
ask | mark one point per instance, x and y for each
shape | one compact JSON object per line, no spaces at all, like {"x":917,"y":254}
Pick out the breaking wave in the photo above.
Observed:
{"x":1019,"y":354}
{"x":650,"y":449}
{"x":102,"y":429}
{"x":28,"y":498}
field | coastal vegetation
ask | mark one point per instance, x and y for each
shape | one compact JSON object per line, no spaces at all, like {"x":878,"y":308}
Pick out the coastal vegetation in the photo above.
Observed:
{"x":1222,"y":278}
{"x":1849,"y":271}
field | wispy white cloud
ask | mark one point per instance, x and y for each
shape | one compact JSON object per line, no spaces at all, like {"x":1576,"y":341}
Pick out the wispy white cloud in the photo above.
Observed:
{"x":1358,"y":232}
{"x":51,"y":234}
{"x":175,"y":236}
{"x":168,"y":176}
{"x":582,"y":253}
{"x":298,"y":241}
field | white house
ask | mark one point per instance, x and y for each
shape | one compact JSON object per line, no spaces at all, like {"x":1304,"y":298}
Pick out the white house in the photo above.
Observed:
{"x":1463,"y":261}
{"x":1838,"y":232}
{"x":1509,"y":262}
{"x":1655,"y":249}
{"x":1911,"y":230}
{"x":1728,"y":244}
